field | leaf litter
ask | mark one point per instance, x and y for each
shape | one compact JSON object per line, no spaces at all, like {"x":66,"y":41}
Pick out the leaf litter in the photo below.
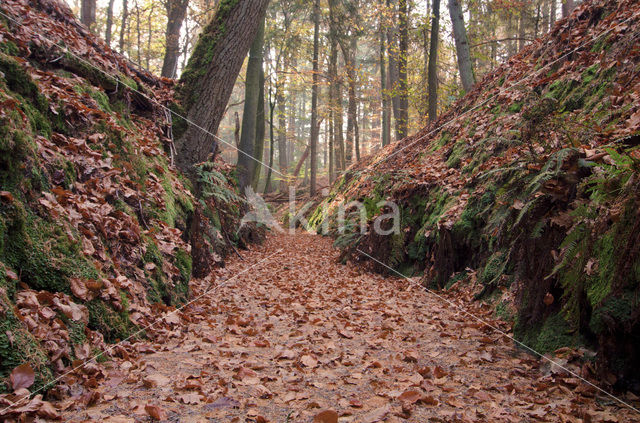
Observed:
{"x":409,"y":356}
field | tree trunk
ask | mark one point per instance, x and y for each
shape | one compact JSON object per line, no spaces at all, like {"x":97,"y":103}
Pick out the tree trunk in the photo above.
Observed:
{"x":208,"y":79}
{"x":544,"y":28}
{"x":433,"y":61}
{"x":402,"y":121}
{"x":258,"y":148}
{"x":385,"y":130}
{"x":236,"y":131}
{"x":176,"y":12}
{"x":246,"y":152}
{"x":552,"y":13}
{"x":567,"y":7}
{"x":282,"y":136}
{"x":462,"y":45}
{"x":88,"y":13}
{"x":272,"y":106}
{"x":349,"y":53}
{"x":107,"y":32}
{"x":522,"y":23}
{"x":392,"y":76}
{"x":314,"y":100}
{"x":123,"y":24}
{"x":138,"y":36}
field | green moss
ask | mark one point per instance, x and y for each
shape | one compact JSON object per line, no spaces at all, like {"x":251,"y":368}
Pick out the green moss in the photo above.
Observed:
{"x":18,"y":346}
{"x":202,"y":55}
{"x":494,"y":268}
{"x":456,"y":154}
{"x":554,"y":333}
{"x":41,"y":251}
{"x":618,"y":309}
{"x":515,"y":107}
{"x":9,"y":48}
{"x":114,"y":325}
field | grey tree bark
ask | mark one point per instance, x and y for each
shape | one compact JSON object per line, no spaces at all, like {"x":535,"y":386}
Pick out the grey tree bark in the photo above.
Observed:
{"x":567,"y":7}
{"x":313,"y":145}
{"x":385,"y":130}
{"x":107,"y":31}
{"x":392,"y":75}
{"x":258,"y":147}
{"x":462,"y":45}
{"x":433,"y":61}
{"x":176,"y":11}
{"x":88,"y":13}
{"x":402,"y":120}
{"x":208,"y":79}
{"x":123,"y":24}
{"x":246,"y":151}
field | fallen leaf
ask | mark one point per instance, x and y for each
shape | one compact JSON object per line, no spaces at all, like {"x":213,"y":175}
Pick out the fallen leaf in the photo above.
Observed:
{"x":22,"y":376}
{"x":326,"y":416}
{"x":155,"y":412}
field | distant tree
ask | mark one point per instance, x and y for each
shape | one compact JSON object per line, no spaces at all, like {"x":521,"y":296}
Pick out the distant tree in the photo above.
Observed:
{"x":246,"y":151}
{"x":176,"y":12}
{"x":433,"y":61}
{"x":402,"y":120}
{"x":462,"y":45}
{"x":109,"y":26}
{"x":88,"y":13}
{"x":313,"y":144}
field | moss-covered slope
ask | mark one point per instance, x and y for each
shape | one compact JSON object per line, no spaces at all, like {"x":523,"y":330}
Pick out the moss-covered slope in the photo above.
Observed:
{"x":95,"y":221}
{"x":532,"y":182}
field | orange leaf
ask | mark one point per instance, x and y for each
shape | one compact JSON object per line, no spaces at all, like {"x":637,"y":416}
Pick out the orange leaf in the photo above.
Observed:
{"x":155,"y":412}
{"x":326,"y":416}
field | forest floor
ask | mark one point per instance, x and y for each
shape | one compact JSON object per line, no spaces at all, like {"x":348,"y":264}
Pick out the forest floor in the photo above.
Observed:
{"x":289,"y":334}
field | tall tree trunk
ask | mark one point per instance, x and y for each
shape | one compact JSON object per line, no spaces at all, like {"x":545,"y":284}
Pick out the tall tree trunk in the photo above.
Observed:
{"x":567,"y":7}
{"x":236,"y":131}
{"x":314,"y":100}
{"x":123,"y":24}
{"x":552,"y":13}
{"x":138,"y":36}
{"x":282,"y":135}
{"x":385,"y":130}
{"x":149,"y":36}
{"x":258,"y":147}
{"x":208,"y":79}
{"x":462,"y":45}
{"x":107,"y":32}
{"x":356,"y":135}
{"x":272,"y":106}
{"x":522,"y":23}
{"x":349,"y":53}
{"x":544,"y":27}
{"x":246,"y":152}
{"x":512,"y":26}
{"x":392,"y":75}
{"x":176,"y":12}
{"x":88,"y":13}
{"x":433,"y":61}
{"x":402,"y":122}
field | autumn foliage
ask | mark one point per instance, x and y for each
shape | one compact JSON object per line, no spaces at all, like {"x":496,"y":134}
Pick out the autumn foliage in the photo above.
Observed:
{"x":529,"y":188}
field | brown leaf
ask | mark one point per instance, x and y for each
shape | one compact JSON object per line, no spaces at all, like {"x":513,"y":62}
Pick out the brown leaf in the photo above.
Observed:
{"x":155,"y":412}
{"x":326,"y":416}
{"x":548,"y":299}
{"x":22,"y":376}
{"x":6,"y":196}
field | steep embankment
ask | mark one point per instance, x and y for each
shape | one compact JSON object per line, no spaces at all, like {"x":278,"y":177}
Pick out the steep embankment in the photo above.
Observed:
{"x":94,"y":219}
{"x":529,"y":186}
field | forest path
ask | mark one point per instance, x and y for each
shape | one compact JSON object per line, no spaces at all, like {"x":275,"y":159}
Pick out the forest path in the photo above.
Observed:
{"x":299,"y":333}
